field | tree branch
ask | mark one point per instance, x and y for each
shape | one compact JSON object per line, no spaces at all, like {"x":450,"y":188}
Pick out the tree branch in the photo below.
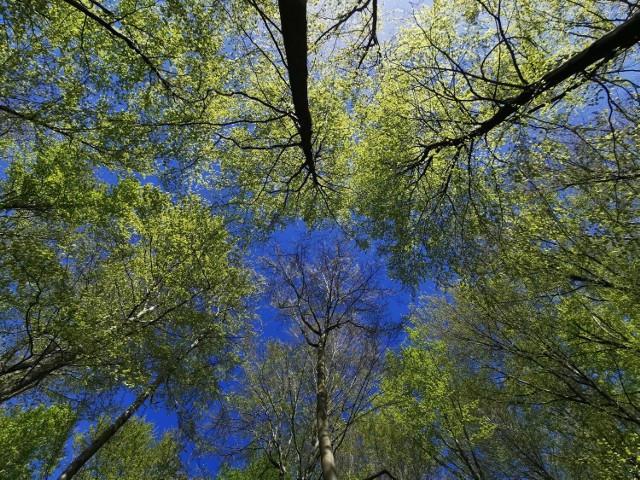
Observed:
{"x":121,"y":36}
{"x":382,"y":472}
{"x":602,"y":50}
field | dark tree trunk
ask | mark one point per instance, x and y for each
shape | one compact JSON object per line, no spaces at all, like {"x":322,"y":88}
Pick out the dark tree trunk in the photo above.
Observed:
{"x":293,"y":18}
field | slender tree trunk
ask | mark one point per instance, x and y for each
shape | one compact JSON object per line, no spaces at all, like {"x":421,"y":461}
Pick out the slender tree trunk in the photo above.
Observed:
{"x":324,"y":440}
{"x":281,"y":468}
{"x":109,"y":432}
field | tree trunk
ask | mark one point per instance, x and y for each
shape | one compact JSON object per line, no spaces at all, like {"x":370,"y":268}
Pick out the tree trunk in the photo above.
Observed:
{"x":324,"y":440}
{"x":109,"y":432}
{"x":293,"y":18}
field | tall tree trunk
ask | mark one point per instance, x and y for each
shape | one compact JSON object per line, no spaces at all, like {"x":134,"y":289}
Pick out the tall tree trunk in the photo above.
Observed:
{"x":109,"y":432}
{"x":324,"y":440}
{"x":293,"y":19}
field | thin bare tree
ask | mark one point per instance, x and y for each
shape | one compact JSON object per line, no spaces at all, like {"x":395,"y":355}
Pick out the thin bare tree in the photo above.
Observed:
{"x":325,"y":289}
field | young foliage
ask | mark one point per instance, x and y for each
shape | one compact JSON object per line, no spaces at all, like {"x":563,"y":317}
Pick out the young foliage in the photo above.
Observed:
{"x":134,"y":453}
{"x":32,"y":440}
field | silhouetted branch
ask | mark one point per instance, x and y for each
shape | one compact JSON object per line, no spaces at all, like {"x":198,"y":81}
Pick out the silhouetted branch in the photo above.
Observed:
{"x":109,"y":27}
{"x":602,"y":50}
{"x":380,"y":474}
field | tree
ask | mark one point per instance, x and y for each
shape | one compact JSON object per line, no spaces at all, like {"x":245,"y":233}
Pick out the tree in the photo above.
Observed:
{"x":557,"y":367}
{"x":32,"y":440}
{"x":198,"y":95}
{"x":322,"y":292}
{"x":494,"y":148}
{"x":501,"y":382}
{"x":457,"y":422}
{"x":262,"y":103}
{"x":161,"y":265}
{"x":106,"y":280}
{"x":290,"y":158}
{"x":104,"y":435}
{"x":134,"y":453}
{"x":123,"y":86}
{"x":530,"y":225}
{"x":105,"y":294}
{"x":271,"y":414}
{"x":452,"y":154}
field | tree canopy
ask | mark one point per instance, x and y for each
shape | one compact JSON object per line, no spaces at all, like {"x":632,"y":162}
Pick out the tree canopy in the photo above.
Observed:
{"x":149,"y":148}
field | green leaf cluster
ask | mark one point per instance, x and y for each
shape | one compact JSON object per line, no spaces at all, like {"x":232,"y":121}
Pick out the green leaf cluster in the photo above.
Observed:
{"x":32,"y":441}
{"x":134,"y":453}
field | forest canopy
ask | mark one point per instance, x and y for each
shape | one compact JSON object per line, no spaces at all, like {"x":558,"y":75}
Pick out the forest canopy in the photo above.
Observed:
{"x":209,"y":209}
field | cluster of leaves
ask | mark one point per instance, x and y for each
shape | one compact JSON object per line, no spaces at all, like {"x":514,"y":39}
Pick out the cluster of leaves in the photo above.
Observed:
{"x":520,"y":195}
{"x":134,"y":453}
{"x":33,"y":440}
{"x":527,"y":367}
{"x":439,"y":180}
{"x":494,"y":148}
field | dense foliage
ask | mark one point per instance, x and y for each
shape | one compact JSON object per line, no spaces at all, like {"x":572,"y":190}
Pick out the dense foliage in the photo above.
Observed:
{"x":148,"y":147}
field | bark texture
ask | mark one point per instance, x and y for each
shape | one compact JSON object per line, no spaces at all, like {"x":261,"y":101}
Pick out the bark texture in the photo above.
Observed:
{"x":324,"y":439}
